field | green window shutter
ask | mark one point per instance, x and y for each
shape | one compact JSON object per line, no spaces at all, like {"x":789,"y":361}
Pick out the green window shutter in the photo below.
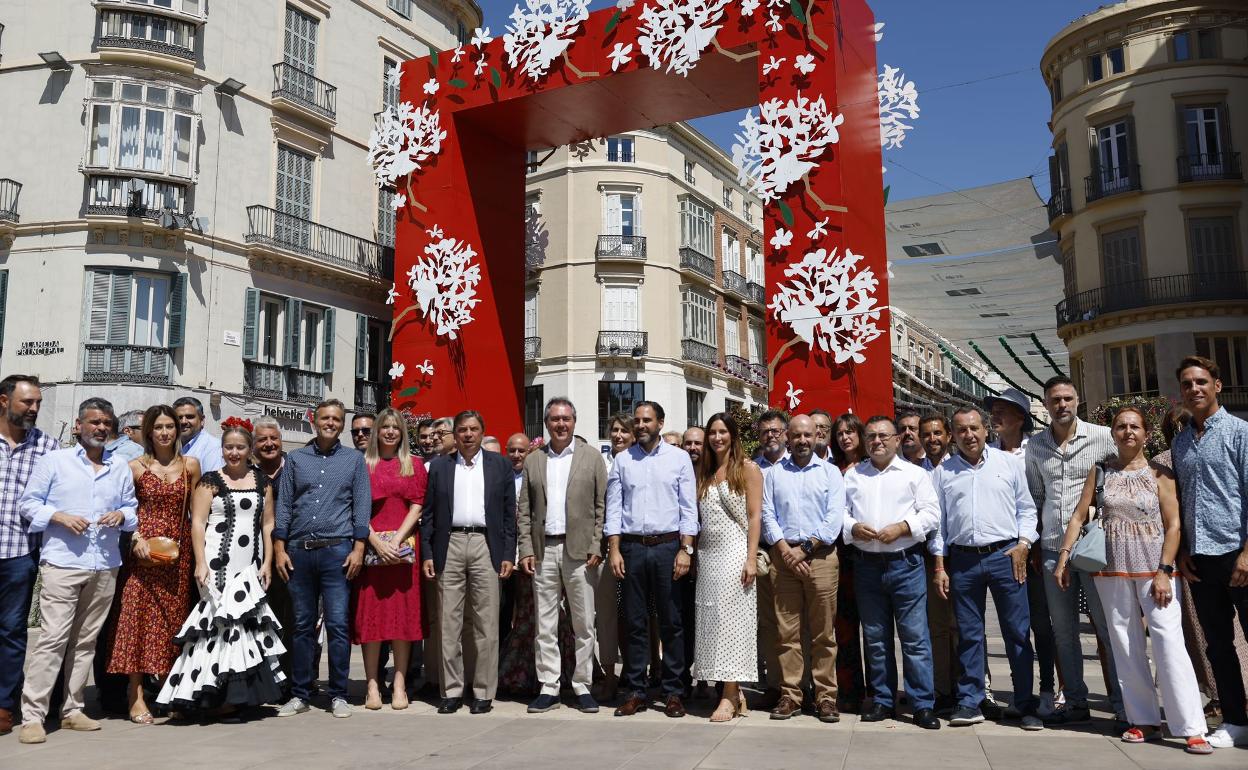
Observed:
{"x":119,"y":308}
{"x":97,"y":298}
{"x":327,"y":356}
{"x":251,"y":324}
{"x":177,"y":310}
{"x":361,"y":347}
{"x":4,"y":302}
{"x":294,"y":323}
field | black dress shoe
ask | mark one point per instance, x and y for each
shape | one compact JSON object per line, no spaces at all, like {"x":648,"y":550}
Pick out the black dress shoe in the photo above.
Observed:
{"x":926,"y":718}
{"x":481,"y":707}
{"x":877,"y":713}
{"x":450,"y":705}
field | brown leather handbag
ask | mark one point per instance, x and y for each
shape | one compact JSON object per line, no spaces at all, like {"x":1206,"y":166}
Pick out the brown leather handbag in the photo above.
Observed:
{"x":164,"y":551}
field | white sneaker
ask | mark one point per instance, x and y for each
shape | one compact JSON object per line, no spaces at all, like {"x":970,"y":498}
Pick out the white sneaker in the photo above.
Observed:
{"x":340,"y":708}
{"x":1221,"y":738}
{"x":293,"y":706}
{"x":1048,"y":703}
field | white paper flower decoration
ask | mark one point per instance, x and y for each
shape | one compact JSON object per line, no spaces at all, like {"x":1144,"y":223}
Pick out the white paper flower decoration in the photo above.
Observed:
{"x":398,"y":201}
{"x":804,"y":63}
{"x":393,"y":76}
{"x":781,"y":238}
{"x":772,"y":64}
{"x":445,"y":283}
{"x":793,"y":395}
{"x":396,"y":370}
{"x":819,"y":230}
{"x":402,"y":140}
{"x":782,"y":143}
{"x":748,"y":7}
{"x":481,"y":37}
{"x":898,"y":103}
{"x":425,"y":368}
{"x":541,"y":32}
{"x":829,"y":304}
{"x":620,"y":55}
{"x":879,"y":31}
{"x":457,"y":54}
{"x":773,"y":22}
{"x":391,"y":295}
{"x":673,"y":33}
{"x":431,"y":86}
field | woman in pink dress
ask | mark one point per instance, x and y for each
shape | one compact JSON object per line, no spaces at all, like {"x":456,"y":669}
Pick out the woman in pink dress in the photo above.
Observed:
{"x":387,"y":591}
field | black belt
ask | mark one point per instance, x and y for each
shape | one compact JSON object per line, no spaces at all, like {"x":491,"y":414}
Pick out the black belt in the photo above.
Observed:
{"x":469,"y":530}
{"x":651,"y":540}
{"x":819,"y":551}
{"x":556,"y":538}
{"x":983,"y":549}
{"x":887,"y":555}
{"x":313,"y":545}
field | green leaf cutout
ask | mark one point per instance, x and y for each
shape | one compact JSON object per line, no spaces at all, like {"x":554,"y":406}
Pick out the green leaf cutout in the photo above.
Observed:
{"x":433,"y":56}
{"x":406,"y":392}
{"x":615,"y":19}
{"x":886,"y":189}
{"x":496,"y":78}
{"x":458,"y":83}
{"x":798,"y":11}
{"x":785,"y":212}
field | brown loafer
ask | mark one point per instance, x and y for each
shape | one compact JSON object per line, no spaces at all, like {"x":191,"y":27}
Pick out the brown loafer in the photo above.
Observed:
{"x":6,"y":721}
{"x":674,"y":708}
{"x":785,"y":708}
{"x":632,"y":705}
{"x":827,"y":711}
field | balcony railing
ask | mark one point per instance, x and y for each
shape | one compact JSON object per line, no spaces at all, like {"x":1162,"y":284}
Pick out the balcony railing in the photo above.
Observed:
{"x":10,"y":191}
{"x":735,"y":282}
{"x":692,"y":259}
{"x":758,"y":374}
{"x":371,"y":396}
{"x":147,"y":32}
{"x":264,"y":380}
{"x":1166,"y":290}
{"x":1234,"y":397}
{"x":620,"y":156}
{"x":738,"y":367}
{"x":308,"y":91}
{"x":303,"y":386}
{"x":699,"y":353}
{"x":1204,"y":167}
{"x":621,"y":247}
{"x":284,"y":383}
{"x":1059,"y":204}
{"x":127,"y":363}
{"x":284,"y":231}
{"x":754,"y":292}
{"x":623,"y":343}
{"x":532,"y":348}
{"x":110,"y":195}
{"x":1111,"y":180}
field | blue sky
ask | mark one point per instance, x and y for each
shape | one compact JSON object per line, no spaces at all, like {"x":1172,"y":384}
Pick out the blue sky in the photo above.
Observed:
{"x":967,"y":135}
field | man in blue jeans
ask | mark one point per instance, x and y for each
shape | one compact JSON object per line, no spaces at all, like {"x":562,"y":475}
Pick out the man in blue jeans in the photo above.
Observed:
{"x":323,"y":509}
{"x":891,"y":507}
{"x":987,"y":526}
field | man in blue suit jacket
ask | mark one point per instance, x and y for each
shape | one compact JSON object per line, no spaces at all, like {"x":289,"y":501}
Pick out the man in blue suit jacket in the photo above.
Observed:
{"x":468,"y":539}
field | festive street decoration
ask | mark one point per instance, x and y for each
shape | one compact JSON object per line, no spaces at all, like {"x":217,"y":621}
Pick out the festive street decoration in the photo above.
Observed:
{"x":810,"y":148}
{"x":899,"y":101}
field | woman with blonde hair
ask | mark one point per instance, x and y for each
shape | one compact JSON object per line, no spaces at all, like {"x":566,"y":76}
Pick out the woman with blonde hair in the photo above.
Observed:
{"x":730,"y":498}
{"x":387,"y":591}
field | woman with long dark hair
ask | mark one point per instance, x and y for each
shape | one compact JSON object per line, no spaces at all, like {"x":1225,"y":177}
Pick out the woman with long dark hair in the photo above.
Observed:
{"x":730,"y":498}
{"x":849,"y":447}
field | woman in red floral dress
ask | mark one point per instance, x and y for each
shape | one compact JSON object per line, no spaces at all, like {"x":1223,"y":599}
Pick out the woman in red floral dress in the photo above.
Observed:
{"x":387,"y":590}
{"x":155,"y":598}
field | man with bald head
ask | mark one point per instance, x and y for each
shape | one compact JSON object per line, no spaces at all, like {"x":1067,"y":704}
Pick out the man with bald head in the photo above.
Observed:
{"x":803,"y":515}
{"x":693,"y":442}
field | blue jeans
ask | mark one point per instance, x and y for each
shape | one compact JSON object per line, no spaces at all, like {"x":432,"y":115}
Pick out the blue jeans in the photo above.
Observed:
{"x":17,"y":583}
{"x":895,"y":592}
{"x":971,"y":576}
{"x":648,"y":577}
{"x":320,"y":580}
{"x":1064,"y":612}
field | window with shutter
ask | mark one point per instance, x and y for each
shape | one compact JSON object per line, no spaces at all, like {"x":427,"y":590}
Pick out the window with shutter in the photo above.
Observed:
{"x":119,"y":295}
{"x":389,"y":86}
{"x":300,"y":41}
{"x":758,"y":343}
{"x":293,"y":327}
{"x":294,"y":182}
{"x":732,"y":333}
{"x":619,"y":308}
{"x":1120,"y":260}
{"x":1212,"y":242}
{"x":151,"y":303}
{"x":328,"y":337}
{"x":310,"y":357}
{"x":530,"y":314}
{"x":361,"y":347}
{"x":4,"y":303}
{"x":251,"y":323}
{"x":270,"y":332}
{"x":611,"y":214}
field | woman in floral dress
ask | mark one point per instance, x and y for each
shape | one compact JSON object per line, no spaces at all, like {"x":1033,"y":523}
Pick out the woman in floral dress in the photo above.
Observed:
{"x":156,"y":596}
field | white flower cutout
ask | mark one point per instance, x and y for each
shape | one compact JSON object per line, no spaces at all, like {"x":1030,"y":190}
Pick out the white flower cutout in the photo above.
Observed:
{"x":879,"y":31}
{"x":434,"y":232}
{"x":782,"y":143}
{"x":899,"y":101}
{"x":781,"y":239}
{"x":425,"y":368}
{"x":772,"y":64}
{"x":398,"y":202}
{"x":396,"y":370}
{"x":819,"y":230}
{"x":481,"y":37}
{"x":773,"y":22}
{"x":829,"y":304}
{"x":620,"y":55}
{"x":541,"y":32}
{"x":431,"y":86}
{"x":673,"y":33}
{"x":477,"y":70}
{"x":793,"y":395}
{"x":393,"y":76}
{"x":445,"y":283}
{"x":748,"y":7}
{"x":804,"y":63}
{"x":391,"y":295}
{"x":458,"y":53}
{"x":402,"y":140}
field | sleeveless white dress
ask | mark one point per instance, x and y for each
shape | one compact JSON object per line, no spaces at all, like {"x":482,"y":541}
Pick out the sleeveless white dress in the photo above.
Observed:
{"x":726,"y":625}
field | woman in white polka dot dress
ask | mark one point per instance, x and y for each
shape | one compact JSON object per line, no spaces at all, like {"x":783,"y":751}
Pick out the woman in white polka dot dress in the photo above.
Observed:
{"x":231,"y":641}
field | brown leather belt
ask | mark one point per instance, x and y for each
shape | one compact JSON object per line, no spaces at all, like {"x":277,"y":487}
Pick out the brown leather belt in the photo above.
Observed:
{"x":651,"y":540}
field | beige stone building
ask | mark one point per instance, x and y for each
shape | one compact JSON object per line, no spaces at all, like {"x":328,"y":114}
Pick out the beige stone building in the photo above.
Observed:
{"x":645,"y":281}
{"x":1150,"y":112}
{"x":186,"y":206}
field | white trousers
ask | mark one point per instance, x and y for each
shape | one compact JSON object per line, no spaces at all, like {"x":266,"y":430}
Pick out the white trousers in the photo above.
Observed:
{"x":556,"y":573}
{"x":1124,"y":600}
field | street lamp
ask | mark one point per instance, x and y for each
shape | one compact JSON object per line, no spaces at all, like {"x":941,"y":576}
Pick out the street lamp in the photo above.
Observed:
{"x":54,"y":60}
{"x":230,"y":87}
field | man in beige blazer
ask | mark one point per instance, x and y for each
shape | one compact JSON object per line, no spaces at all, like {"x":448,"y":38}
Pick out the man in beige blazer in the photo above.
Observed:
{"x":561,"y":511}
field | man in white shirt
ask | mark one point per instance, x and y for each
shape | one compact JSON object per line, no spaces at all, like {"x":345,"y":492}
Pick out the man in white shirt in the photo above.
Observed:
{"x":891,"y":507}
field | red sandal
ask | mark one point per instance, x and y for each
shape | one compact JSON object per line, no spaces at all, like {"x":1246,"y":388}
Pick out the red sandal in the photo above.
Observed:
{"x":1136,"y":735}
{"x":1198,"y":745}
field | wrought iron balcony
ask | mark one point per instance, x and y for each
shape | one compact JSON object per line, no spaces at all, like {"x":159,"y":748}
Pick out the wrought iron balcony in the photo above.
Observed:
{"x":734,"y":282}
{"x":758,"y":374}
{"x":304,"y":90}
{"x":1166,"y":290}
{"x":621,"y":247}
{"x":1204,"y":167}
{"x":1111,"y":180}
{"x":264,"y":380}
{"x":109,"y":195}
{"x":305,"y":387}
{"x":623,"y":343}
{"x":699,"y":353}
{"x":738,"y":367}
{"x":371,"y":396}
{"x":270,"y":227}
{"x":10,"y":191}
{"x":620,"y":156}
{"x":127,"y":363}
{"x":695,"y":261}
{"x":147,"y":32}
{"x":1059,"y":204}
{"x":532,"y":348}
{"x":754,"y":292}
{"x":1234,"y":397}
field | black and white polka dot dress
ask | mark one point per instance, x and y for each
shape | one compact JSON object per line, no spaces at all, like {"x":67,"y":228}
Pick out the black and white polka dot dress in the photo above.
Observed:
{"x":231,"y":641}
{"x":726,"y":626}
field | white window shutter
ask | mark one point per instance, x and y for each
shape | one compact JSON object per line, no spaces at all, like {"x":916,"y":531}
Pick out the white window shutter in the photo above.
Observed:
{"x":612,"y":214}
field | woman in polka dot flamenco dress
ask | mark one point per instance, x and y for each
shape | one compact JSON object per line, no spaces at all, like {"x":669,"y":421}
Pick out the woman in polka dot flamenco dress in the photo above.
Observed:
{"x":231,"y":641}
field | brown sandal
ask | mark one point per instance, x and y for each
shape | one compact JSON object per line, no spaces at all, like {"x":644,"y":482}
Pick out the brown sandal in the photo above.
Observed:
{"x":142,"y":719}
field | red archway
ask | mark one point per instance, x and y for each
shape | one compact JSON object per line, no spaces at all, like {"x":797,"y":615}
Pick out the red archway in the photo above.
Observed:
{"x":460,"y":263}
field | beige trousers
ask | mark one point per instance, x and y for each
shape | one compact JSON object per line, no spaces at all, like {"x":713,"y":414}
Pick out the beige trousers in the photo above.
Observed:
{"x":468,"y":586}
{"x":556,"y":573}
{"x":73,"y":604}
{"x":813,"y":599}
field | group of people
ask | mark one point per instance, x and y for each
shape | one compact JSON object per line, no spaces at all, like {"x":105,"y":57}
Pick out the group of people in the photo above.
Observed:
{"x":679,"y":558}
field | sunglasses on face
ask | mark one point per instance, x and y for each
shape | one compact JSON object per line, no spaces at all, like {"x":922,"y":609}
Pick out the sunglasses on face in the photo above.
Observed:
{"x":361,"y":431}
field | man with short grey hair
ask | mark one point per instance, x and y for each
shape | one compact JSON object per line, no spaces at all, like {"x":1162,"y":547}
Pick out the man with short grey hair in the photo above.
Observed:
{"x":126,"y":436}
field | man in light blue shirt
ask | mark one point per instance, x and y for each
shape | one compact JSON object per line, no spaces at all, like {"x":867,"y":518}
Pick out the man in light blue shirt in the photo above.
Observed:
{"x":987,"y":526}
{"x":196,"y":442}
{"x":803,"y":515}
{"x":122,"y":444}
{"x":772,"y":427}
{"x":80,"y":501}
{"x":651,"y":521}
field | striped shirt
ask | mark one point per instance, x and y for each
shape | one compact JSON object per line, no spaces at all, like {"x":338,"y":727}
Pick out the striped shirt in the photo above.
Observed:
{"x":16,"y":465}
{"x":1213,"y":484}
{"x":1056,"y":475}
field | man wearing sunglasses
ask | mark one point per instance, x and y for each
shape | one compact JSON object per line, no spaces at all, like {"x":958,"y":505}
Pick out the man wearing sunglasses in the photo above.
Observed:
{"x":362,"y":429}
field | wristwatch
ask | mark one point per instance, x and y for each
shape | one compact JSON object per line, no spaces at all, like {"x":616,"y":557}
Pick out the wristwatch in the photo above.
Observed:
{"x":808,"y":547}
{"x":687,"y":548}
{"x":1166,"y":568}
